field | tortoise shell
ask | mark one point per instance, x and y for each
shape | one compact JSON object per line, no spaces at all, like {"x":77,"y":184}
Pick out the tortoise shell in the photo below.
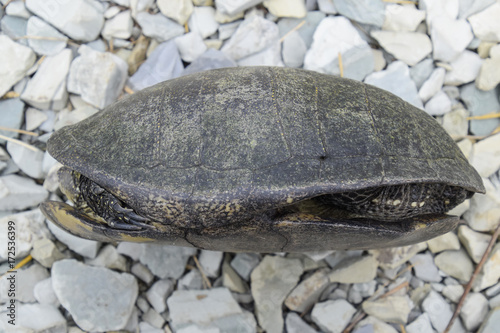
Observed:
{"x":235,"y":159}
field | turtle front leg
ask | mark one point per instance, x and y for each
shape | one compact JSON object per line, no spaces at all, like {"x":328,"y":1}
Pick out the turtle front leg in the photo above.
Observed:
{"x":110,"y":208}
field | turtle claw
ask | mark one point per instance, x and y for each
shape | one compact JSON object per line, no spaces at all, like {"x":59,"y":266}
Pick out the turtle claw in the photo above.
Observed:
{"x":117,"y":224}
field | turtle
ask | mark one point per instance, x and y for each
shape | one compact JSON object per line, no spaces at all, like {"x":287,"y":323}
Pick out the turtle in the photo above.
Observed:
{"x":260,"y":159}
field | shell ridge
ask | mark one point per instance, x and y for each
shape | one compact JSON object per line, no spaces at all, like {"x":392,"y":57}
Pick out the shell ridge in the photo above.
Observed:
{"x":384,"y":151}
{"x":273,"y":79}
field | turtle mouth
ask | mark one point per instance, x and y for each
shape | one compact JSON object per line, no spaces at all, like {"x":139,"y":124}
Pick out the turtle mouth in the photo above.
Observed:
{"x":94,"y":200}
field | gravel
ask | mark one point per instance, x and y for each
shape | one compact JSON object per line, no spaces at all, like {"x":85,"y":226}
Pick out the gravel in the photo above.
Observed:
{"x":443,"y":57}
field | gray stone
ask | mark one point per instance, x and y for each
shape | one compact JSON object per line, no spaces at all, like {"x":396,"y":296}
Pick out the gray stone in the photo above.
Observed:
{"x":50,"y":41}
{"x":295,"y":324}
{"x":67,"y":117}
{"x":421,"y":324}
{"x":20,"y":193}
{"x":481,"y":203}
{"x":11,"y":116}
{"x":166,"y":261}
{"x":191,"y":280}
{"x":144,"y":327}
{"x":34,"y":118}
{"x":366,"y":11}
{"x":455,"y":263}
{"x":163,"y":63}
{"x":465,"y":69}
{"x":97,"y":298}
{"x":119,"y":26}
{"x":253,"y":35}
{"x":396,"y":79}
{"x":305,"y":294}
{"x":485,"y":24}
{"x":158,"y":26}
{"x":327,"y":6}
{"x":332,"y":316}
{"x":132,"y":250}
{"x":489,"y":75}
{"x":270,"y":56}
{"x":85,"y":247}
{"x":45,"y":252}
{"x":244,"y":263}
{"x":410,"y":47}
{"x":306,"y":30}
{"x":110,"y":258}
{"x":449,"y":37}
{"x":47,"y":88}
{"x":457,"y":124}
{"x":142,"y":272}
{"x":39,"y":318}
{"x":152,"y":317}
{"x":494,"y":302}
{"x":402,"y":18}
{"x":200,"y":307}
{"x":28,"y":160}
{"x":82,"y":20}
{"x":286,"y":8}
{"x":232,"y":7}
{"x":448,"y":241}
{"x":470,"y":7}
{"x":421,"y":72}
{"x":15,"y":61}
{"x":272,"y":280}
{"x":485,"y":157}
{"x":392,"y":309}
{"x":439,"y":312}
{"x":391,"y":258}
{"x":101,"y":86}
{"x":432,"y":85}
{"x":424,"y":267}
{"x":294,"y":50}
{"x":178,"y":10}
{"x":157,"y":294}
{"x":202,"y":21}
{"x":474,"y":311}
{"x":231,"y":279}
{"x":439,"y":104}
{"x":30,"y":226}
{"x":480,"y":102}
{"x":44,"y":293}
{"x":17,"y":8}
{"x":358,"y":291}
{"x":474,"y":242}
{"x":491,"y":322}
{"x":14,"y":27}
{"x":25,"y":281}
{"x":336,"y":35}
{"x":190,"y":46}
{"x":453,"y":292}
{"x":490,"y":273}
{"x":372,"y":324}
{"x":210,"y":262}
{"x":355,"y":270}
{"x":227,"y":30}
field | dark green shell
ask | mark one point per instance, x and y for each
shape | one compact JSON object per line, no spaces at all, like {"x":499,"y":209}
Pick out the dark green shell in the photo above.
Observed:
{"x":222,"y":146}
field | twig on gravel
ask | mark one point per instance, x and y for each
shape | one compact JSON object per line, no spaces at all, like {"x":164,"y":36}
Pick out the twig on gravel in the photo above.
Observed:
{"x":206,"y":281}
{"x":491,"y":115}
{"x":473,"y":277}
{"x":297,"y":27}
{"x":8,"y":129}
{"x":19,"y":142}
